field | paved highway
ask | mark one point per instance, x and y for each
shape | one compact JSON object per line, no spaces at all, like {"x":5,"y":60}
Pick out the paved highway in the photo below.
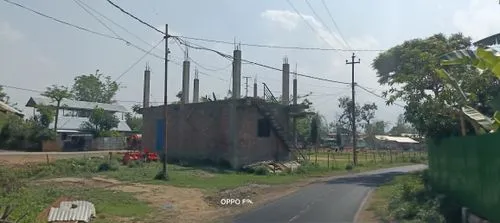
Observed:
{"x":335,"y":200}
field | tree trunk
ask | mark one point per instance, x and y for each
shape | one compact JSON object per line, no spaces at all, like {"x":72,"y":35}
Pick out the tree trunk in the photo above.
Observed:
{"x":57,"y":115}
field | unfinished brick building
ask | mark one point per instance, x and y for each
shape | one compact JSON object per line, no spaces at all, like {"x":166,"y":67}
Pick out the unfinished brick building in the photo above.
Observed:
{"x":234,"y":131}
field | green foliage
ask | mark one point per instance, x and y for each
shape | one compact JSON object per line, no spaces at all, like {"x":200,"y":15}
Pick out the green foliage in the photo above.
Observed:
{"x":46,"y":115}
{"x":401,"y":127}
{"x":134,"y":122}
{"x":410,"y":199}
{"x":111,"y":165}
{"x":95,"y":88}
{"x":3,"y":95}
{"x":261,"y":170}
{"x":349,"y":166}
{"x":314,"y":135}
{"x":100,"y":122}
{"x":57,"y":93}
{"x":362,"y":113}
{"x":410,"y":70}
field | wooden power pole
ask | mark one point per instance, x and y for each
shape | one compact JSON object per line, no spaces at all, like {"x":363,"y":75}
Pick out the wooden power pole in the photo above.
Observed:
{"x":354,"y":153}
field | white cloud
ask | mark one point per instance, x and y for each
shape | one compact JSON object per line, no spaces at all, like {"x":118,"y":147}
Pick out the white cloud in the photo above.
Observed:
{"x":291,"y":21}
{"x":479,"y":20}
{"x":8,"y":33}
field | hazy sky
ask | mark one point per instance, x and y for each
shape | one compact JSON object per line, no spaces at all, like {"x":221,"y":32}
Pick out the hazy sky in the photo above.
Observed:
{"x":36,"y":52}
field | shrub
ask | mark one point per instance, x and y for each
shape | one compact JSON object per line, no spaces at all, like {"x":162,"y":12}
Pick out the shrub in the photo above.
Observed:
{"x":135,"y":163}
{"x":261,"y":170}
{"x":349,"y":166}
{"x":111,"y":165}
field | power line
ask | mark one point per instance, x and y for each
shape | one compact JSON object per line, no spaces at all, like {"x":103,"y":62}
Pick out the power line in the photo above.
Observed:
{"x":195,"y":62}
{"x":129,"y":14}
{"x":303,"y":18}
{"x":376,"y":95}
{"x":61,"y":21}
{"x":229,"y":57}
{"x":278,"y":46}
{"x":81,"y":28}
{"x":321,"y":21}
{"x":118,"y":25}
{"x":95,"y":17}
{"x":139,"y":60}
{"x":335,"y":24}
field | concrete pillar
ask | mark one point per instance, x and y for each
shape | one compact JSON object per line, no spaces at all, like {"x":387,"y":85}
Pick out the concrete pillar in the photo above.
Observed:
{"x":295,"y":91}
{"x":255,"y":89}
{"x":147,"y":88}
{"x":236,"y":74}
{"x":196,"y":90}
{"x":285,"y":92}
{"x":185,"y":82}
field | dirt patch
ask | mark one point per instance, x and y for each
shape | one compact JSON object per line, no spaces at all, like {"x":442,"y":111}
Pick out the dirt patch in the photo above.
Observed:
{"x":175,"y":204}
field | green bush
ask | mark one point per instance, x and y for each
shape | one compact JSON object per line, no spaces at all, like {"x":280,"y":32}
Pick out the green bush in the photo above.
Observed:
{"x":135,"y":163}
{"x":111,"y":165}
{"x":349,"y":166}
{"x":261,"y":170}
{"x":412,"y":200}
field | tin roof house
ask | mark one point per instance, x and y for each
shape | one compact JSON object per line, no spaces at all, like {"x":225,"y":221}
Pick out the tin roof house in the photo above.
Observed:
{"x":73,"y":113}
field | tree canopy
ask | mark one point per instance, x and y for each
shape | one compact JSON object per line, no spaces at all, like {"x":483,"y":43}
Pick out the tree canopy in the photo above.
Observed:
{"x":100,"y":122}
{"x":362,"y":114}
{"x":3,"y":95}
{"x":95,"y":88}
{"x":410,"y":70}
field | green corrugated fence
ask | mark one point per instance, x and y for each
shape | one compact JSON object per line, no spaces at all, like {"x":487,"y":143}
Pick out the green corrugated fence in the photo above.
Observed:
{"x":468,"y":170}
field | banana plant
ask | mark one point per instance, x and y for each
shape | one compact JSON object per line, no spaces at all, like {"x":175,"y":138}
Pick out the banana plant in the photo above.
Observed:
{"x":484,"y":58}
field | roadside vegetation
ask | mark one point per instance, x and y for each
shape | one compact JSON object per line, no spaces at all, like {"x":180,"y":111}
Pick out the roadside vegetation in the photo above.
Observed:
{"x":409,"y":198}
{"x":33,"y":187}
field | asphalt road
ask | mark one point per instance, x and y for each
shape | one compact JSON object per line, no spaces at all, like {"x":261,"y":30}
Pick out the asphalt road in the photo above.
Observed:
{"x":336,"y":200}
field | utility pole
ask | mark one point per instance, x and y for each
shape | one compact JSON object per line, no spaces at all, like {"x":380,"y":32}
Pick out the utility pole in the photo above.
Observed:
{"x":164,"y":172}
{"x":246,"y":85}
{"x":353,"y":115}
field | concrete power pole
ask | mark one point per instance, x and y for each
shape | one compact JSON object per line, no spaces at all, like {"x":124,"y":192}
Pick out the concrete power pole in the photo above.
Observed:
{"x":164,"y":172}
{"x":354,"y":153}
{"x":246,"y":85}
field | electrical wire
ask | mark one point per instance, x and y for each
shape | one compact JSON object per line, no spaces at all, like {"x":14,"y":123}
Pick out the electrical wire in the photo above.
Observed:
{"x":195,"y":62}
{"x":376,"y":95}
{"x":130,"y":14}
{"x":308,"y":24}
{"x":98,"y":20}
{"x":323,"y":23}
{"x":61,"y":21}
{"x":139,"y":60}
{"x":118,"y":25}
{"x":229,"y":57}
{"x":335,"y":24}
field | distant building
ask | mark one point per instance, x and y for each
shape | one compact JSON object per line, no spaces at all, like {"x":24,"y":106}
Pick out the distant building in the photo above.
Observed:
{"x":74,"y":113}
{"x":7,"y":109}
{"x":396,"y":143}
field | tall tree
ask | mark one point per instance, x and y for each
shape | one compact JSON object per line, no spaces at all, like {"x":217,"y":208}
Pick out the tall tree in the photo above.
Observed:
{"x":362,"y":113}
{"x":409,"y":69}
{"x":95,"y":88}
{"x":134,"y":121}
{"x":57,"y":94}
{"x":100,"y":122}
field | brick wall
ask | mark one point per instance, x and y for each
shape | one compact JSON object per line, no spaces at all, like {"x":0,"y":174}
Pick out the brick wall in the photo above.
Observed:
{"x":201,"y":131}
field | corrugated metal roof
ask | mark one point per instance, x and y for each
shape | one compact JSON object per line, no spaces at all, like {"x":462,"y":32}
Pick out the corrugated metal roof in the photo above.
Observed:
{"x":7,"y":108}
{"x":72,"y":104}
{"x":395,"y":139}
{"x":75,"y":123}
{"x":83,"y":211}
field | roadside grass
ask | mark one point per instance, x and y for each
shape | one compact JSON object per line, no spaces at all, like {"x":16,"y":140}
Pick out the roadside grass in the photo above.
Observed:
{"x":21,"y":185}
{"x":29,"y":199}
{"x":408,"y":198}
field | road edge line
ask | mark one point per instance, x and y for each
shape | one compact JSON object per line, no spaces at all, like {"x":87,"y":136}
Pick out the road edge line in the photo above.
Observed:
{"x":363,"y":204}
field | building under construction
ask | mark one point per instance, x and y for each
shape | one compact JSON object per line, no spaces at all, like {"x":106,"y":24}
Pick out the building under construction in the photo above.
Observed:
{"x":237,"y":131}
